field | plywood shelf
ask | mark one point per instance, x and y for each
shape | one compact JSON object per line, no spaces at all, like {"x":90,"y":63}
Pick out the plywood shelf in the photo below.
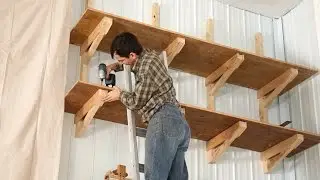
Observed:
{"x":197,"y":57}
{"x":205,"y":124}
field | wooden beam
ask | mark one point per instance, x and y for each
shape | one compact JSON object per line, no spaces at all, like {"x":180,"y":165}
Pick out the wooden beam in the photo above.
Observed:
{"x":272,"y":156}
{"x":84,"y":63}
{"x":88,"y":4}
{"x":209,"y":37}
{"x":174,"y":49}
{"x":218,"y":78}
{"x":83,"y":117}
{"x":219,"y":144}
{"x":271,"y":90}
{"x":259,"y":44}
{"x":210,"y":30}
{"x":89,"y":46}
{"x":156,"y":14}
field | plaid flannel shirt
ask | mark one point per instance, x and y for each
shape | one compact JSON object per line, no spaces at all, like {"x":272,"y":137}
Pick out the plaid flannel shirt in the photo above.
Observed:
{"x":153,"y":86}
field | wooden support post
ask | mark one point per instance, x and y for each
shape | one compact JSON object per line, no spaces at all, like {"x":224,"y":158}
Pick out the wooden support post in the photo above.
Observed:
{"x":118,"y":174}
{"x":88,"y":4}
{"x":271,"y":90}
{"x":209,"y":37}
{"x":89,"y":46}
{"x":83,"y":117}
{"x":219,"y":144}
{"x":259,"y":44}
{"x":156,"y":15}
{"x":272,"y":156}
{"x":210,"y":30}
{"x":219,"y":77}
{"x":174,"y":49}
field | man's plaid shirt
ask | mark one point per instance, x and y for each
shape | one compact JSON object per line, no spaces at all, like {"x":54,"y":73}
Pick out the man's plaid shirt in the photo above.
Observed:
{"x":153,"y":86}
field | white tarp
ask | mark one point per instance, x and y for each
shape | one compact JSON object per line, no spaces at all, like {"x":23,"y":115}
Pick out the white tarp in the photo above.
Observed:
{"x":269,"y":8}
{"x":34,"y":41}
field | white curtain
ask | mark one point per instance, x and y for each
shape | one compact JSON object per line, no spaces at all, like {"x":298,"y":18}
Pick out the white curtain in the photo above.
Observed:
{"x":34,"y":41}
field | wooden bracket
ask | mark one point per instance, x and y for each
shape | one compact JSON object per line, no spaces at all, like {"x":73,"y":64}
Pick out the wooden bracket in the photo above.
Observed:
{"x":118,"y":174}
{"x":219,"y":77}
{"x":174,"y":49}
{"x":259,"y":44}
{"x":83,"y":117}
{"x":89,"y":46}
{"x":271,"y":90}
{"x":219,"y":144}
{"x":272,"y":156}
{"x":155,"y":14}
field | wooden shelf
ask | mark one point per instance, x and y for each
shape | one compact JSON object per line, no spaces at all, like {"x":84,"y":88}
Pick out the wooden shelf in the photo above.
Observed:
{"x":197,"y":57}
{"x":205,"y":124}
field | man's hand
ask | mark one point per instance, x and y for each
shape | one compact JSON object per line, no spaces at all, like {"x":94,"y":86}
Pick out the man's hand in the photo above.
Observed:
{"x":109,"y":69}
{"x":113,"y":95}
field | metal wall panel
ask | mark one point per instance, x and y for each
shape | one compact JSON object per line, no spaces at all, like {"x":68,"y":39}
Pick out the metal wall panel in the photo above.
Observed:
{"x":106,"y":144}
{"x":301,"y":46}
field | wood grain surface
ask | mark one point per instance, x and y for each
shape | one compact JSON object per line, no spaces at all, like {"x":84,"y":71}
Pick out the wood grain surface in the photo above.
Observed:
{"x":199,"y":57}
{"x":205,"y":124}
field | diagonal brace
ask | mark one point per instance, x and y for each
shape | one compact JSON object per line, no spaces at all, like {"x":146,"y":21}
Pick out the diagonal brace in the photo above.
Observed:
{"x":272,"y":156}
{"x":90,"y":45}
{"x":271,"y":90}
{"x":219,"y":77}
{"x":219,"y":144}
{"x":174,"y":49}
{"x":84,"y":116}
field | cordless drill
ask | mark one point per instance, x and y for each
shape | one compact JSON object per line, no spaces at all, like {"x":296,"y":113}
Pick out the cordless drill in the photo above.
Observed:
{"x":102,"y":75}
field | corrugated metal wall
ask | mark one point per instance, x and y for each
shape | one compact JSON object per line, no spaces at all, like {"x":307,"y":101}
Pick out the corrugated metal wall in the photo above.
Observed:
{"x":106,"y":144}
{"x":301,"y":46}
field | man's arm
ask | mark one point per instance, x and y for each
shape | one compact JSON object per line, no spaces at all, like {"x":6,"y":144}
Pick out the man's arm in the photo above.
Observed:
{"x":115,"y":66}
{"x":138,"y":98}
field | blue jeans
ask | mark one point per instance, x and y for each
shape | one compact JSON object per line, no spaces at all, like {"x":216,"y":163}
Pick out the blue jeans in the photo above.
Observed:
{"x":167,"y":140}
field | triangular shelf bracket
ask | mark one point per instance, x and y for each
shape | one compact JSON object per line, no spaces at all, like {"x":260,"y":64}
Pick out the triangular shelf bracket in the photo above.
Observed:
{"x":84,"y":116}
{"x":90,"y":45}
{"x":174,"y":49}
{"x":220,"y":143}
{"x":271,"y":90}
{"x":272,"y":156}
{"x":220,"y":76}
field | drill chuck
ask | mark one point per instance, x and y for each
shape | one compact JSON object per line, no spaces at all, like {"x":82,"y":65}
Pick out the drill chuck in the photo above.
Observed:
{"x":102,"y":71}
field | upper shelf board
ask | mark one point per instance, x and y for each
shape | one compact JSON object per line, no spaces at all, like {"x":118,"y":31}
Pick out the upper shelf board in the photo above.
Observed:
{"x":204,"y":124}
{"x":198,"y":56}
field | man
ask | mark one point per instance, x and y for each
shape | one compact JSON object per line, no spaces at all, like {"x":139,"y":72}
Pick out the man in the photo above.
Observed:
{"x":154,"y":97}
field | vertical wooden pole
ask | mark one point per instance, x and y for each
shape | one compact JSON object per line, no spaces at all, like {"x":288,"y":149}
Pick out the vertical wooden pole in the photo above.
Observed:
{"x":210,"y":30}
{"x":209,"y":37}
{"x":259,"y":44}
{"x":156,"y":14}
{"x":84,"y":61}
{"x":89,"y":4}
{"x":156,"y":23}
{"x":263,"y":111}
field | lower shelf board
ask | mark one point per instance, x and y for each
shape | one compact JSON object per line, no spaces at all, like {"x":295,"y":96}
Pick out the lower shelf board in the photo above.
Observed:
{"x":205,"y":124}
